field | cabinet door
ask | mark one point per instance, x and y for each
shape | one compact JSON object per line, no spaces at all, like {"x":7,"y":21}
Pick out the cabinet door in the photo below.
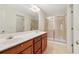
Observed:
{"x":13,"y":50}
{"x":37,"y":46}
{"x":44,"y":42}
{"x":39,"y":51}
{"x":29,"y":50}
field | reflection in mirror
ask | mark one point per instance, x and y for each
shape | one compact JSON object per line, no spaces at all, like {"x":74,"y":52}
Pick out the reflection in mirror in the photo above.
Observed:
{"x":34,"y":24}
{"x":17,"y":18}
{"x":19,"y":23}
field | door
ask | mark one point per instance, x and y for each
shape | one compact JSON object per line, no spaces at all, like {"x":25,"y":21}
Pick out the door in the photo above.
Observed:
{"x":19,"y":23}
{"x":69,"y":26}
{"x":76,"y":28}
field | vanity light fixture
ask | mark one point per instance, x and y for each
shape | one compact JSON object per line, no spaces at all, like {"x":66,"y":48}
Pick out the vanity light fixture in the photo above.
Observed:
{"x":34,"y":8}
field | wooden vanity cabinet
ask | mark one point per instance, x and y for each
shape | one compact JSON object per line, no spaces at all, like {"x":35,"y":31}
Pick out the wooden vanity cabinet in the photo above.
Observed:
{"x":36,"y":45}
{"x":44,"y":42}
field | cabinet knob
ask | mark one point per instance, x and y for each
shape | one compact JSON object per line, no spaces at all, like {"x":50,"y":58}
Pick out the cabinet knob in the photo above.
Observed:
{"x":22,"y":45}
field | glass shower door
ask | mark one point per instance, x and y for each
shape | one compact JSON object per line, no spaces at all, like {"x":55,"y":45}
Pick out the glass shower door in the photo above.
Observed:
{"x":56,"y":29}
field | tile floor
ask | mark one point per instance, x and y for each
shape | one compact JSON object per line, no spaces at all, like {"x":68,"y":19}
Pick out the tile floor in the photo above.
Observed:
{"x":55,"y":48}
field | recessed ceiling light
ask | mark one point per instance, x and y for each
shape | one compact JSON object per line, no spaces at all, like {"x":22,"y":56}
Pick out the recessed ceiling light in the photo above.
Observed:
{"x":34,"y":8}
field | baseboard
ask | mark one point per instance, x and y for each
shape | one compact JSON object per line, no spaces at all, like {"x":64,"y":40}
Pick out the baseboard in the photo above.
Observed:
{"x":57,"y":42}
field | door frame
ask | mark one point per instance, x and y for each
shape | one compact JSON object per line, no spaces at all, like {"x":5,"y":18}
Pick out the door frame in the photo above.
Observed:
{"x":69,"y":26}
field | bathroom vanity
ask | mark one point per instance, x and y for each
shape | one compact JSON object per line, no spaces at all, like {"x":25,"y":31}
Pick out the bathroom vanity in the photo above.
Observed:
{"x":29,"y":43}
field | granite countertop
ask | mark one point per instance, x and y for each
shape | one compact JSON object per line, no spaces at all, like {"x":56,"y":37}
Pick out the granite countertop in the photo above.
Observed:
{"x":19,"y":38}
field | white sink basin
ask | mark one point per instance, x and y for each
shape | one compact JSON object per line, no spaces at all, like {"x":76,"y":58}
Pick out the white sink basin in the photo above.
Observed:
{"x":10,"y":37}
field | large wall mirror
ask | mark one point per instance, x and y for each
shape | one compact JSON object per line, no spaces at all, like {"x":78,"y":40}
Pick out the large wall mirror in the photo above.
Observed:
{"x":17,"y":18}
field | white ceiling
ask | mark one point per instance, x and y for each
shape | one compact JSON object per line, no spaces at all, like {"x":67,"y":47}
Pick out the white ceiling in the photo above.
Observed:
{"x":24,"y":8}
{"x":48,"y":9}
{"x":53,"y":9}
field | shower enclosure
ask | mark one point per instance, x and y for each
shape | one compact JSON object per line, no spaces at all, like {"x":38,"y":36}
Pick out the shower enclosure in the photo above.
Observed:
{"x":57,"y":29}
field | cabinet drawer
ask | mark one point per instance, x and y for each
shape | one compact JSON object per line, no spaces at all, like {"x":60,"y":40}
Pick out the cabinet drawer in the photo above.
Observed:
{"x":37,"y":46}
{"x":19,"y":48}
{"x":13,"y":50}
{"x":44,"y":44}
{"x":29,"y":50}
{"x":37,"y":39}
{"x":27,"y":44}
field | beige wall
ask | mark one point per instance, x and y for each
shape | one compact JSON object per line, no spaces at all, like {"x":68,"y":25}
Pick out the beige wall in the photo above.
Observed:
{"x":41,"y":21}
{"x":46,"y":25}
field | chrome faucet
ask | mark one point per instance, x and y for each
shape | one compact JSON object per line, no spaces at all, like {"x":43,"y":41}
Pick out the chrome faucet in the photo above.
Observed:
{"x":10,"y":37}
